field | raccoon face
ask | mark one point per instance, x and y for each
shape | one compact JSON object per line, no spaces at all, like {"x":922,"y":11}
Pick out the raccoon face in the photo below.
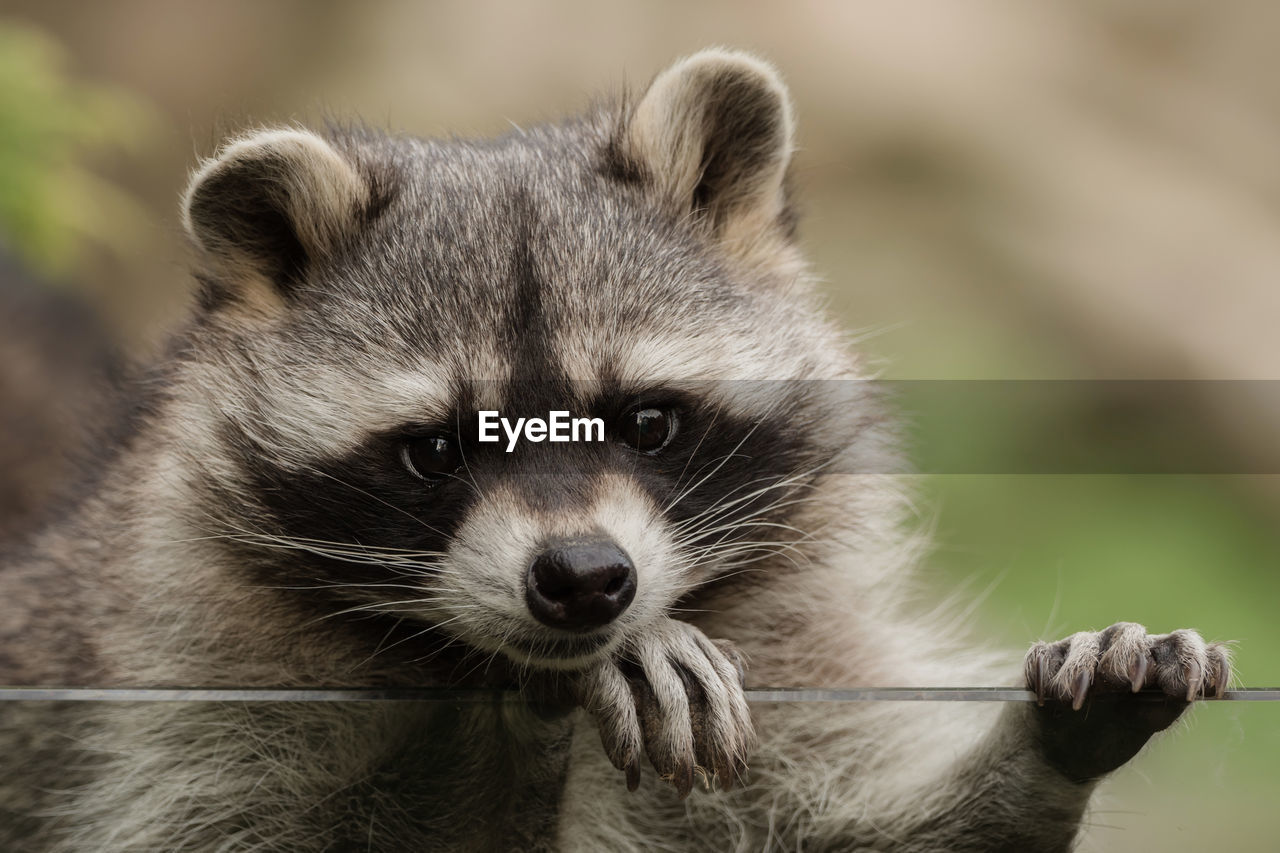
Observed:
{"x":366,"y":297}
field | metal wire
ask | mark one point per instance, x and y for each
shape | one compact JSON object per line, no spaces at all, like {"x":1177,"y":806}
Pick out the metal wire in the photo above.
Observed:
{"x":481,"y":695}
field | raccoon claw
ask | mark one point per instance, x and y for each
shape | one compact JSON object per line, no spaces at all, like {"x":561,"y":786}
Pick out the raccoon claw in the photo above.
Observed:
{"x":1112,"y":665}
{"x":677,"y":697}
{"x":1079,"y":688}
{"x":1222,"y":675}
{"x":1138,"y":673}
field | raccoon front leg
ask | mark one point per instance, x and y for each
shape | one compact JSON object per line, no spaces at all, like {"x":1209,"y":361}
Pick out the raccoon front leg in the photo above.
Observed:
{"x":1025,"y":787}
{"x":675,"y":696}
{"x":1089,"y":718}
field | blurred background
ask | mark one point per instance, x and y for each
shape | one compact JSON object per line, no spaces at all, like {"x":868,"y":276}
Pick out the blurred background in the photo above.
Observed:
{"x":992,"y":190}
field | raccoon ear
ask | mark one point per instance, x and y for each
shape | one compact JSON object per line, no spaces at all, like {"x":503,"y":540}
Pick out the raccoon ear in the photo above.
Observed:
{"x":268,"y":205}
{"x":715,"y":133}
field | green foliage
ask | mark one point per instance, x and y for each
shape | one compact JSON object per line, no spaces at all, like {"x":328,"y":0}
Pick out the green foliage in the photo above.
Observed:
{"x":52,"y":206}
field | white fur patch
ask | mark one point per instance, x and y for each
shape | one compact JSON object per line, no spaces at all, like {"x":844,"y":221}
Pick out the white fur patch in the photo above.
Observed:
{"x":482,"y":594}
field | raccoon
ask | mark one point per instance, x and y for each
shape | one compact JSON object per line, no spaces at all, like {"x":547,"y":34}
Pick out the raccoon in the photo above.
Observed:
{"x":301,"y":500}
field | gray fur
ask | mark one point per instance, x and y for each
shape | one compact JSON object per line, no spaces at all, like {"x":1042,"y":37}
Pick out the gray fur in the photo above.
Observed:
{"x":354,"y":283}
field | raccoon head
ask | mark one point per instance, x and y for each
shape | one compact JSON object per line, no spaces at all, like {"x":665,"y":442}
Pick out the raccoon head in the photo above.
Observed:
{"x":364,"y":297}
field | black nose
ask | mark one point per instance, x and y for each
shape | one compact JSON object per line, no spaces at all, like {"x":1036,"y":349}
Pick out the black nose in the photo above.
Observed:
{"x":580,"y":584}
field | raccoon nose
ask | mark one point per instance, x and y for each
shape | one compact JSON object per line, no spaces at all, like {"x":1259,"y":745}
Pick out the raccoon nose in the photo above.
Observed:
{"x":580,"y":584}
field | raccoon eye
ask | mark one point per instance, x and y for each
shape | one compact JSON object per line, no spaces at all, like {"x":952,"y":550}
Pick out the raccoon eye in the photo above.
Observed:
{"x":432,"y":458}
{"x":648,"y":430}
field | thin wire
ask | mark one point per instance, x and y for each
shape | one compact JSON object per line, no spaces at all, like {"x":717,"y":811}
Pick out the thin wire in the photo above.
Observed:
{"x":481,"y":695}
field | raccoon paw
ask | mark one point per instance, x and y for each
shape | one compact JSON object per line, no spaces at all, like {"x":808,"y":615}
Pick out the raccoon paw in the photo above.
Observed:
{"x":677,"y":697}
{"x":1092,"y":717}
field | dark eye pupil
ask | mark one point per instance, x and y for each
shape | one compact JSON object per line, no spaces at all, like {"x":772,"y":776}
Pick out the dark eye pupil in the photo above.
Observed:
{"x":431,"y":458}
{"x":647,"y":429}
